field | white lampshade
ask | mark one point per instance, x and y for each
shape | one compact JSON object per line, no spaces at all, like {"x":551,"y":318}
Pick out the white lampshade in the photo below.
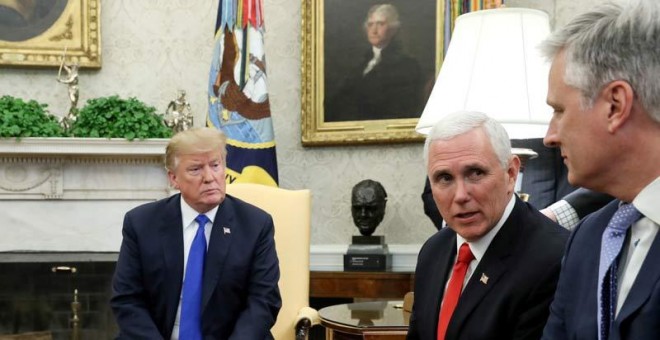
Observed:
{"x":493,"y":65}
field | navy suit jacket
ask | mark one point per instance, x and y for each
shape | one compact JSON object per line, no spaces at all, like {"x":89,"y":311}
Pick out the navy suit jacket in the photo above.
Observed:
{"x":573,"y":312}
{"x":240,"y":294}
{"x":522,"y":267}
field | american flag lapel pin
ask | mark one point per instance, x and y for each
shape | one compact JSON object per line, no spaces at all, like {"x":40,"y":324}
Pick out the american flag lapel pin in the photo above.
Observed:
{"x":226,"y":230}
{"x":483,"y":279}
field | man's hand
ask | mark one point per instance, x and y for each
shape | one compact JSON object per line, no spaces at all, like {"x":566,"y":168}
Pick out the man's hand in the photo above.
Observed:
{"x":550,"y":214}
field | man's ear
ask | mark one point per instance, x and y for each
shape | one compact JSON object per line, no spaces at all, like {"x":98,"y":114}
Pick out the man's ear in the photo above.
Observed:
{"x":514,"y":169}
{"x":619,"y":95}
{"x":172,"y":178}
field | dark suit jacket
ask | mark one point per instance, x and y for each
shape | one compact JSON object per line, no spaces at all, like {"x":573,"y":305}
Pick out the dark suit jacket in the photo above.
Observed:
{"x":392,"y":89}
{"x":522,"y":265}
{"x":241,"y":272}
{"x":573,"y":312}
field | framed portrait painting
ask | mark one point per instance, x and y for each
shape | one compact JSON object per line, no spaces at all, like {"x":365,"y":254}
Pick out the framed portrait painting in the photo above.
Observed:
{"x":37,"y":32}
{"x":367,"y":69}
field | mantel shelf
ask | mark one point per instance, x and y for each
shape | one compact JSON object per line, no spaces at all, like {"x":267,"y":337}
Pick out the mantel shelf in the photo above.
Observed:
{"x":83,"y":146}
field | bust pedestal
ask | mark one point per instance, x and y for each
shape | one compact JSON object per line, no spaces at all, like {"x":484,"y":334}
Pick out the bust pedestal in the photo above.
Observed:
{"x":368,"y":253}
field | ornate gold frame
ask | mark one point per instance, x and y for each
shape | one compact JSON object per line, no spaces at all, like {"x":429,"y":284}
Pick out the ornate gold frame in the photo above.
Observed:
{"x":78,"y":30}
{"x":315,"y":131}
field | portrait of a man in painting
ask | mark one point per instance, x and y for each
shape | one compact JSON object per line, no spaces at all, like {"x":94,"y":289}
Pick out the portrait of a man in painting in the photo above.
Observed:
{"x":379,"y":70}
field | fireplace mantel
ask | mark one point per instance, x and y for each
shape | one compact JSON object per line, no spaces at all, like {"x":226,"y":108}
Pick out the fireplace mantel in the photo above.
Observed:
{"x":70,"y":194}
{"x":29,"y":147}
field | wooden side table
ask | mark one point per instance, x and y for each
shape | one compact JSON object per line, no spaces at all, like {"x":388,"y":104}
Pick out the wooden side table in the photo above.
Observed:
{"x":374,"y":320}
{"x":340,"y":284}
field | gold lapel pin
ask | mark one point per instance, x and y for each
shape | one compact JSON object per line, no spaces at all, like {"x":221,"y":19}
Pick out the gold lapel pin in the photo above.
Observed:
{"x":484,"y":279}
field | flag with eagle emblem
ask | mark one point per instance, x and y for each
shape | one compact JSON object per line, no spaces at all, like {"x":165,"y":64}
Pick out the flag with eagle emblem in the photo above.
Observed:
{"x":238,"y":93}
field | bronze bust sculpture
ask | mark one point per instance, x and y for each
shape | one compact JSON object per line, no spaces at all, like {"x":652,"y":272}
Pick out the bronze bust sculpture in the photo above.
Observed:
{"x":368,"y":201}
{"x":368,"y":252}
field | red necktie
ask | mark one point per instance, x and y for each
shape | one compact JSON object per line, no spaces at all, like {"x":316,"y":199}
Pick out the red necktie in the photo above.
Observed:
{"x":454,"y":288}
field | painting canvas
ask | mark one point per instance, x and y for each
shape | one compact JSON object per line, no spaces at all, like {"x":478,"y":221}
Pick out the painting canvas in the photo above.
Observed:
{"x":37,"y":32}
{"x":365,"y":86}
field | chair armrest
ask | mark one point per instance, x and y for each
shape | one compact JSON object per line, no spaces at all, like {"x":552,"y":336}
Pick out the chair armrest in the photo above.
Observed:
{"x":306,"y":318}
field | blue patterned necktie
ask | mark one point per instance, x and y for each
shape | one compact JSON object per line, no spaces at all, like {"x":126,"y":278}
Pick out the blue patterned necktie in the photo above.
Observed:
{"x":611,"y":245}
{"x":190,"y":325}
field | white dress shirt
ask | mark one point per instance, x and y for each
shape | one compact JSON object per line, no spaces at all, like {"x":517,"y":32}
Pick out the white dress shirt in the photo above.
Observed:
{"x":566,"y":215}
{"x":639,"y":239}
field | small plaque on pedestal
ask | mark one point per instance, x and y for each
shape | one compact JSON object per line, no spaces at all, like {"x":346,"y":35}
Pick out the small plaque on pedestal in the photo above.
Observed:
{"x":368,"y":253}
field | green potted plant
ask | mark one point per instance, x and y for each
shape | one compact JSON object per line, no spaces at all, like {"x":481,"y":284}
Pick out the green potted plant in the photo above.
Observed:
{"x":20,"y":119}
{"x":114,"y":117}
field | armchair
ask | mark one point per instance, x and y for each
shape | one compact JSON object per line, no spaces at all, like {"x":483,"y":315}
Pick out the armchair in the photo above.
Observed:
{"x":291,"y":212}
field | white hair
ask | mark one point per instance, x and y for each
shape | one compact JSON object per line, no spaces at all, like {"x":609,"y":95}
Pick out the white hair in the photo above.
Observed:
{"x":613,"y":41}
{"x":388,"y":11}
{"x":462,"y":122}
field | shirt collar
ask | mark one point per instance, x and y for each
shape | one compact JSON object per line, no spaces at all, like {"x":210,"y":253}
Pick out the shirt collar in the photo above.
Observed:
{"x":189,"y":214}
{"x":480,"y":246}
{"x":376,"y":51}
{"x":647,"y":201}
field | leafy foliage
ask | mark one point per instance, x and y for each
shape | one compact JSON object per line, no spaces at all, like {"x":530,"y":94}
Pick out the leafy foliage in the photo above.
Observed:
{"x":114,"y":117}
{"x":26,"y":119}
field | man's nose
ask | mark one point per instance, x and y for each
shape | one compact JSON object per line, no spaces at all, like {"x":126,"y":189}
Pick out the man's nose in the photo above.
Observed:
{"x":207,"y":173}
{"x":462,"y":192}
{"x":551,"y":139}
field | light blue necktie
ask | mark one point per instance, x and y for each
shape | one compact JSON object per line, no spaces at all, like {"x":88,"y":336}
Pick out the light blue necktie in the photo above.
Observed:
{"x":611,"y":245}
{"x":190,"y":325}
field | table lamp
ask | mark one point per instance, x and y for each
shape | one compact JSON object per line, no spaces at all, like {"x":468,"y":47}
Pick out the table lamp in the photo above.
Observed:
{"x":493,"y":65}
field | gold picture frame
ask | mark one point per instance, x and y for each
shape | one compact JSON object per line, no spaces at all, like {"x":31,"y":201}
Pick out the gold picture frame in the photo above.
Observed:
{"x":328,"y":23}
{"x":40,"y":36}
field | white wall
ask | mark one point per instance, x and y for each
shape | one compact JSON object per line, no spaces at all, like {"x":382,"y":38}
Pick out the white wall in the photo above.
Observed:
{"x":152,"y":48}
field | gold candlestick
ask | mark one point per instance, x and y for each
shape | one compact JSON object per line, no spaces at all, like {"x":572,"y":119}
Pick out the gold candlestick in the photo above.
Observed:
{"x":75,"y":319}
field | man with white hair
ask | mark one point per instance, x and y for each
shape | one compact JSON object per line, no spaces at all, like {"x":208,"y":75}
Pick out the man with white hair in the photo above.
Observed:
{"x":604,"y":86}
{"x":505,"y":254}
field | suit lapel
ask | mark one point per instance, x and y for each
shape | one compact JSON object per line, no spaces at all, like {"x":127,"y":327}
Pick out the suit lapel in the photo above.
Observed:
{"x":495,"y":262}
{"x":441,"y":271}
{"x":432,"y":287}
{"x":170,"y":231}
{"x":645,"y":282}
{"x":218,"y":249}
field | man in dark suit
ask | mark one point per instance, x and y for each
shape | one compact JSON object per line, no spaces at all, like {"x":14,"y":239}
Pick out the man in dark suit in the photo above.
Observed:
{"x":386,"y":83}
{"x":605,"y":90}
{"x":508,"y":282}
{"x":154,"y":294}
